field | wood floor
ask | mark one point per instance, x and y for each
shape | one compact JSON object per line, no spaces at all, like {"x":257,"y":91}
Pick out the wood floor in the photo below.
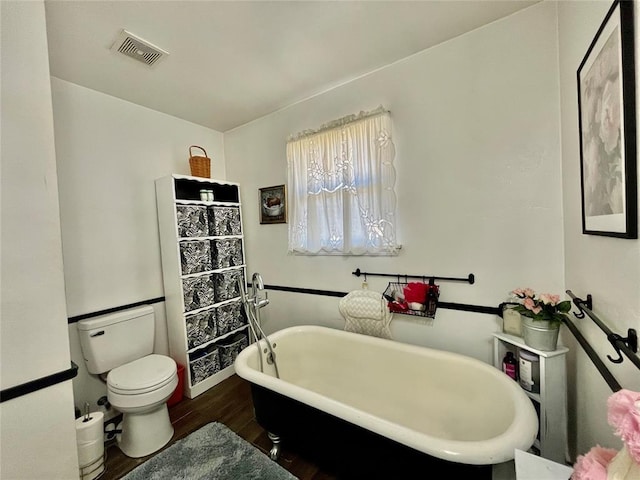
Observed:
{"x":229,"y":403}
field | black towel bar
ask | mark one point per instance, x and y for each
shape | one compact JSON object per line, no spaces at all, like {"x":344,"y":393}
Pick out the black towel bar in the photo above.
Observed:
{"x":627,"y":345}
{"x":470,"y":278}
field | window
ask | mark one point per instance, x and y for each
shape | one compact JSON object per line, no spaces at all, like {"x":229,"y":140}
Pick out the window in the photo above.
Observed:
{"x":341,"y":188}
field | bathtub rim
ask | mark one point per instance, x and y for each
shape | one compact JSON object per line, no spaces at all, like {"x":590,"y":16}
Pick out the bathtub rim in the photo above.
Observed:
{"x":521,"y":434}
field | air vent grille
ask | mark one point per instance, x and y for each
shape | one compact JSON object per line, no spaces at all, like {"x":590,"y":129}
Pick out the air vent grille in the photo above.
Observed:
{"x":135,"y":47}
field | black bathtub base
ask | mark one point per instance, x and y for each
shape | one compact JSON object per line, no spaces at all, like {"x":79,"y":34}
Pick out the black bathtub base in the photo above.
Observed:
{"x":347,"y":450}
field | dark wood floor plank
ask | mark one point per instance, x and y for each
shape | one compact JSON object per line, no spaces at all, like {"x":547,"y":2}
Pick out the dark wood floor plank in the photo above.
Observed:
{"x":229,"y":403}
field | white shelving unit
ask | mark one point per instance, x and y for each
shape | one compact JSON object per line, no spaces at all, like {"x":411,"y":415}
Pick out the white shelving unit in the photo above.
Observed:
{"x":194,"y":320}
{"x":551,"y":402}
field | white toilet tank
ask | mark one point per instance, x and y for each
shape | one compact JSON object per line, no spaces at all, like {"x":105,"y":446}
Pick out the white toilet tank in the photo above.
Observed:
{"x":111,"y":340}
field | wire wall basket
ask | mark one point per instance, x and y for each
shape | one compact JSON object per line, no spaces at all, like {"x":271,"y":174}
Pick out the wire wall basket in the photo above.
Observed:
{"x":412,"y":298}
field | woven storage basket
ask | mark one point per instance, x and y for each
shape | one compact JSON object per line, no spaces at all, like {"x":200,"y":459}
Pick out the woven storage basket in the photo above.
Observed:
{"x":200,"y":166}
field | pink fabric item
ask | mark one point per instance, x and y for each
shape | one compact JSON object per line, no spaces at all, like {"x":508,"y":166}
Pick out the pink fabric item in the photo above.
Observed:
{"x":593,"y":465}
{"x":624,"y":416}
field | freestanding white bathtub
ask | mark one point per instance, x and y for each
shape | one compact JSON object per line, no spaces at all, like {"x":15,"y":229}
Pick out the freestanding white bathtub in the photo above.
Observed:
{"x":453,"y":408}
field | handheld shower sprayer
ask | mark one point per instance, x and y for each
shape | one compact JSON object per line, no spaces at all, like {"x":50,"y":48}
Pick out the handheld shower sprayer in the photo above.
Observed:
{"x":257,"y":285}
{"x":256,"y":278}
{"x":252,"y":306}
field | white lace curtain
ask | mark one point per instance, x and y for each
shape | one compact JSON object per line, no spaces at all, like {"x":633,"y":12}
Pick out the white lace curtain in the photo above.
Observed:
{"x":341,"y":188}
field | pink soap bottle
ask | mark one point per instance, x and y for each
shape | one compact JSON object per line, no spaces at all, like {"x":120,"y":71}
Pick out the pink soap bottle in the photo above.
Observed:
{"x":510,"y":365}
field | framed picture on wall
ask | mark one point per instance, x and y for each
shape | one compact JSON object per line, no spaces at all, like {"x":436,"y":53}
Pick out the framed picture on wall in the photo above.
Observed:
{"x":273,"y":204}
{"x":606,"y":106}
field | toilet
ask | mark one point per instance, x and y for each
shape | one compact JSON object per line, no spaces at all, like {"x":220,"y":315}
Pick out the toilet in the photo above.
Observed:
{"x":139,"y":382}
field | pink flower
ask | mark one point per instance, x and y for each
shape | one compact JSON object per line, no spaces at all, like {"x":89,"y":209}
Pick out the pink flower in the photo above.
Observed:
{"x":593,"y":465}
{"x":529,"y":304}
{"x":624,"y":416}
{"x":524,"y":292}
{"x":549,"y":299}
{"x":546,"y":307}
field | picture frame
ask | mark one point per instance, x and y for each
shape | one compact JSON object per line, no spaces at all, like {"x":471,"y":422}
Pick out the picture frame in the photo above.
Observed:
{"x":607,"y":128}
{"x":273,"y":204}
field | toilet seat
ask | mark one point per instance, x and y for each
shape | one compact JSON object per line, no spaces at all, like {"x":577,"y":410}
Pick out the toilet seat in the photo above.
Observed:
{"x":142,"y":376}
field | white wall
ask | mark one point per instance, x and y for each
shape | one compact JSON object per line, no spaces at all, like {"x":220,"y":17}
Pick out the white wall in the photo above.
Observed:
{"x":109,"y":153}
{"x":607,"y":268}
{"x":476,"y":129}
{"x":38,"y":429}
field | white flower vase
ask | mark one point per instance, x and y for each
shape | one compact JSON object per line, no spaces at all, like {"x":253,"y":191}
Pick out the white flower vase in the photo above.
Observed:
{"x":540,"y":334}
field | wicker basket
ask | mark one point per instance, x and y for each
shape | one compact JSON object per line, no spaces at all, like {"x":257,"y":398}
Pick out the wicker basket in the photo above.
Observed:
{"x":200,"y":166}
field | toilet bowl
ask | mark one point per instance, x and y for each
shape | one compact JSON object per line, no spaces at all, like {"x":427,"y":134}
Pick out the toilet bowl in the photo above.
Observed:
{"x":139,"y":382}
{"x":140,"y":390}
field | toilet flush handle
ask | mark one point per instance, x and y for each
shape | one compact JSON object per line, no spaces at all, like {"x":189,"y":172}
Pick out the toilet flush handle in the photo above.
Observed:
{"x":96,"y":334}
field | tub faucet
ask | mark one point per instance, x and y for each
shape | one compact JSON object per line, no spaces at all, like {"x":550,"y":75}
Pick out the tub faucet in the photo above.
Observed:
{"x":252,"y":308}
{"x":256,"y":286}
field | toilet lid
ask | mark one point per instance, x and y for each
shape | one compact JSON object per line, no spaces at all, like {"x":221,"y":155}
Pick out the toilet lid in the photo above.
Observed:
{"x":142,"y":375}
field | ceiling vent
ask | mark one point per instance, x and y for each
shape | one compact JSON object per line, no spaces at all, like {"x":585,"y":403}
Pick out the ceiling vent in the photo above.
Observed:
{"x":135,"y":47}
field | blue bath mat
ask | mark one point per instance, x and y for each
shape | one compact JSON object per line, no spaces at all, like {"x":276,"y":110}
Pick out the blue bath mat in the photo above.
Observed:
{"x":212,"y":452}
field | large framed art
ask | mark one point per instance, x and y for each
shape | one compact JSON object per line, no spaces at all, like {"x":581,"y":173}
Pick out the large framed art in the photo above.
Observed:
{"x":606,"y":106}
